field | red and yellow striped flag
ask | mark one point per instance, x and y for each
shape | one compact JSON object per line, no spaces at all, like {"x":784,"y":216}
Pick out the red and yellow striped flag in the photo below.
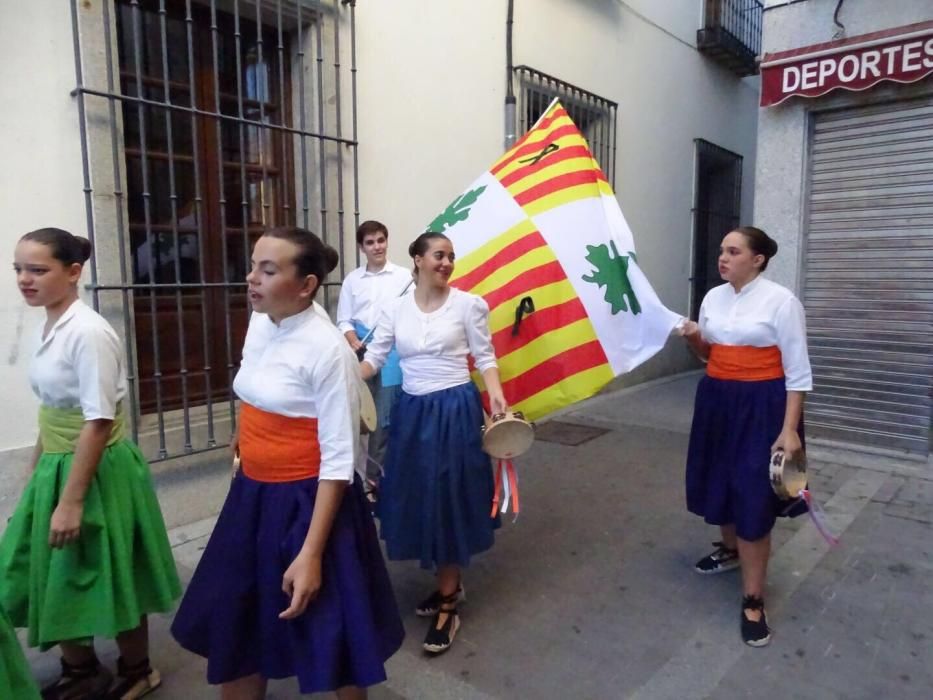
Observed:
{"x":541,"y":237}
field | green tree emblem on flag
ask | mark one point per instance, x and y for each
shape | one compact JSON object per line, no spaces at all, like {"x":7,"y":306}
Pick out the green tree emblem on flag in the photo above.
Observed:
{"x":612,"y":273}
{"x":457,"y":211}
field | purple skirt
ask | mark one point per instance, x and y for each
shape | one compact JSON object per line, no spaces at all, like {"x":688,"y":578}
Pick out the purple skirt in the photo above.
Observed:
{"x":734,"y":425}
{"x":229,"y":614}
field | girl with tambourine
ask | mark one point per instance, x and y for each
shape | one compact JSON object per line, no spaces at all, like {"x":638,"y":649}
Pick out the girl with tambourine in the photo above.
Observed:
{"x":292,"y":582}
{"x":750,"y":404}
{"x":86,"y":553}
{"x":438,"y":485}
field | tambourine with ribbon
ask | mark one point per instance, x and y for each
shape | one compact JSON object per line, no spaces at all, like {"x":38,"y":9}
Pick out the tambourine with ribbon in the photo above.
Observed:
{"x":369,"y":421}
{"x":788,"y":474}
{"x":506,"y":436}
{"x":789,"y":481}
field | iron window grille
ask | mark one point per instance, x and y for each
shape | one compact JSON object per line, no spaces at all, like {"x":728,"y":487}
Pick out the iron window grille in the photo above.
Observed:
{"x":594,"y":116}
{"x":202,"y":123}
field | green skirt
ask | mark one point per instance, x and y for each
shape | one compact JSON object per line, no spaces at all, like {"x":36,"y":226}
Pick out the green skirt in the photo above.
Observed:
{"x":120,"y":568}
{"x":15,"y":678}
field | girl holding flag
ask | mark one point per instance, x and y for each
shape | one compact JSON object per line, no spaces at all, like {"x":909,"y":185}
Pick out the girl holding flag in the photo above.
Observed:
{"x":85,"y":553}
{"x":750,"y":403}
{"x":438,"y":484}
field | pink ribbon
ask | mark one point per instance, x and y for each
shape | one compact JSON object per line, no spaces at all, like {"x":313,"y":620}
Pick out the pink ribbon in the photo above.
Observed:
{"x":507,"y":483}
{"x":818,"y":516}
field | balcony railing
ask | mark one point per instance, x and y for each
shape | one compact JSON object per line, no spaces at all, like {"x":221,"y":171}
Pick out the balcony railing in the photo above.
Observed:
{"x":731,"y":34}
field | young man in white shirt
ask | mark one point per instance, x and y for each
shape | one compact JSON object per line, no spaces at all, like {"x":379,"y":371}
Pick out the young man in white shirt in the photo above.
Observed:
{"x":366,"y":291}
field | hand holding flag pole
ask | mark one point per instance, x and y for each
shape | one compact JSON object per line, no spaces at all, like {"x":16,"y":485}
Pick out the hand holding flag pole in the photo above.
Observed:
{"x":361,"y":351}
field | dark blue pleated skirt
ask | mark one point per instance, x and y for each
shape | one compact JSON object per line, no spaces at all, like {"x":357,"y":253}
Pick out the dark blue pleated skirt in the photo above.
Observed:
{"x":436,"y":495}
{"x":734,"y":425}
{"x":230,"y":611}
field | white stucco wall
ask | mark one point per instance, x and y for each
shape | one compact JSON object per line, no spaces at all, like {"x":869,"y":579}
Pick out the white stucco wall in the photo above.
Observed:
{"x":431,"y":111}
{"x":40,"y":183}
{"x":782,"y":135}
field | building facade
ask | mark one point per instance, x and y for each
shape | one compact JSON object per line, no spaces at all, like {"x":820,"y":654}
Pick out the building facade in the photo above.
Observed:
{"x":173,"y":131}
{"x":845,"y":184}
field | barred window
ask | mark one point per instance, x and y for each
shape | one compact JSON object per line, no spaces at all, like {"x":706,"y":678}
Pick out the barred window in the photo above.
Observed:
{"x":203,"y":123}
{"x":594,"y":116}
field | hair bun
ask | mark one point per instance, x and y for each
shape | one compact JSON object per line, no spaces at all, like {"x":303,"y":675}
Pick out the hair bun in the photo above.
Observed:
{"x":85,"y":247}
{"x":772,"y":247}
{"x":331,"y":258}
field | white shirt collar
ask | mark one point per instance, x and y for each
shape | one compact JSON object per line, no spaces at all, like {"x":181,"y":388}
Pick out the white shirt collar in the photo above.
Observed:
{"x":748,"y":288}
{"x":386,"y":269}
{"x":63,"y":319}
{"x":294,"y":320}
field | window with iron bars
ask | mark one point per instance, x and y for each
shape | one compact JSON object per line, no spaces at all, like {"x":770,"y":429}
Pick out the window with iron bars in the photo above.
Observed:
{"x":204,"y":122}
{"x":594,"y":116}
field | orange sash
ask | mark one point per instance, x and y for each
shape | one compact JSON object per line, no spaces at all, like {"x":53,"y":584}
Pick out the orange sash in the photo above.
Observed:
{"x":744,"y":363}
{"x":278,"y":448}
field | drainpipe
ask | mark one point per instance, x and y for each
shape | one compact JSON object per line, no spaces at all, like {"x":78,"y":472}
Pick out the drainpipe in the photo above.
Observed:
{"x":509,"y":94}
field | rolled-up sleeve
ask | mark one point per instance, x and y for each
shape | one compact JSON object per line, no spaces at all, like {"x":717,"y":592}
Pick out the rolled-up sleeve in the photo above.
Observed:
{"x":791,"y":325}
{"x":478,"y":336}
{"x":383,"y":339}
{"x":336,"y":394}
{"x":97,"y":362}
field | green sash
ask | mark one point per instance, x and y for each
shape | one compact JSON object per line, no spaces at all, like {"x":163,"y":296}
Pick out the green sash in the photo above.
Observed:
{"x":59,"y":428}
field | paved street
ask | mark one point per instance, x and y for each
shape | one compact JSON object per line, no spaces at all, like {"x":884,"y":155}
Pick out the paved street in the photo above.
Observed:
{"x":591,"y":594}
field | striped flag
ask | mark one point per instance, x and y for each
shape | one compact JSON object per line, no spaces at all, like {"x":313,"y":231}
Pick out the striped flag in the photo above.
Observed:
{"x":542,"y":230}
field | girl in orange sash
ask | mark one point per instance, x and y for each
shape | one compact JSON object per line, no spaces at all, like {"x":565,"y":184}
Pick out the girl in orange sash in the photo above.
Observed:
{"x":292,"y":582}
{"x":750,"y":403}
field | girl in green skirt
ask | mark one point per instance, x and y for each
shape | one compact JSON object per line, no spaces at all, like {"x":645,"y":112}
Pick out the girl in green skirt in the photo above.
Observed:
{"x":86,"y":553}
{"x":15,"y":681}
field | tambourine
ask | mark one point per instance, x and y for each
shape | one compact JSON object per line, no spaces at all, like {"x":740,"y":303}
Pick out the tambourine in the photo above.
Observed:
{"x":507,"y":435}
{"x":368,"y":418}
{"x":788,"y":476}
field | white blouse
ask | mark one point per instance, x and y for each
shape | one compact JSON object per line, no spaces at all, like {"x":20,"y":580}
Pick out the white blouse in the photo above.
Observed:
{"x":364,"y":294}
{"x":761,"y":315}
{"x":301,"y":368}
{"x":433,"y":347}
{"x":79,"y":364}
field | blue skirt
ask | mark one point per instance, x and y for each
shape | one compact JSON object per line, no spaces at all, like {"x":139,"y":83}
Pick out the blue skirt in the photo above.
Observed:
{"x":734,"y":425}
{"x":229,"y":614}
{"x":437,"y":491}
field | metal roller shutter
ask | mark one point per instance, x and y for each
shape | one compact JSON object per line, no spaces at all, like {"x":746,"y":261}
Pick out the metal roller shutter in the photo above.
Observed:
{"x":868,"y":275}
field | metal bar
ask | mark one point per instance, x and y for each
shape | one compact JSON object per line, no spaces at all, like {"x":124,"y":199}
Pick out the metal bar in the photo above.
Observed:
{"x":615,"y":138}
{"x":199,"y":217}
{"x":244,"y":203}
{"x":301,"y":121}
{"x":147,"y":218}
{"x":284,"y":195}
{"x":85,"y":160}
{"x":561,"y":83}
{"x":121,"y":243}
{"x":339,"y":131}
{"x":322,"y":154}
{"x":173,"y":205}
{"x":261,"y":89}
{"x":355,"y":147}
{"x":206,"y":113}
{"x":171,"y":285}
{"x":223,"y":217}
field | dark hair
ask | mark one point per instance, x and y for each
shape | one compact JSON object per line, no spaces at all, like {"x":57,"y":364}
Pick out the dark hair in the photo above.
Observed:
{"x":420,"y":245}
{"x":760,"y":243}
{"x":367,"y":228}
{"x":67,"y":248}
{"x":314,"y":256}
